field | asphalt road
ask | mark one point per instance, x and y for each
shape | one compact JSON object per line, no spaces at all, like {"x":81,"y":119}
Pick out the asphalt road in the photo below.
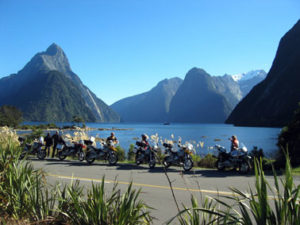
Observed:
{"x":154,"y":184}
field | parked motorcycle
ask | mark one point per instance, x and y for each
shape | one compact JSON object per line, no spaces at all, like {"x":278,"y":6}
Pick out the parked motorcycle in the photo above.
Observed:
{"x":145,"y":154}
{"x":70,"y":149}
{"x":35,"y":148}
{"x":238,"y":159}
{"x":182,"y":157}
{"x":107,"y":152}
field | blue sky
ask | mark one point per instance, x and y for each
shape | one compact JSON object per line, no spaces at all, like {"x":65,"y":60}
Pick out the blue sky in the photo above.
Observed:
{"x":121,"y":48}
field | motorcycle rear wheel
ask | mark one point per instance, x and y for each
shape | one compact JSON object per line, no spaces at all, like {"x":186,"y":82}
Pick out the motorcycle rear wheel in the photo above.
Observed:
{"x":244,"y":167}
{"x":89,"y":160}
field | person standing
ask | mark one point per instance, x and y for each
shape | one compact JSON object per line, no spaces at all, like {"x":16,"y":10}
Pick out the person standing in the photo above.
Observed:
{"x":56,"y":139}
{"x":48,"y":142}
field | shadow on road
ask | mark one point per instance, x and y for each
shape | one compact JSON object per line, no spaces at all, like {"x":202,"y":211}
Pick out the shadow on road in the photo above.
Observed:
{"x":158,"y":169}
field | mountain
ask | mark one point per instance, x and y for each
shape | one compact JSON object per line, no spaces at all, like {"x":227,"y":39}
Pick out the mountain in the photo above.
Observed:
{"x":249,"y":75}
{"x":46,"y":89}
{"x":248,"y":80}
{"x":273,"y":101}
{"x":151,"y":106}
{"x":204,"y":99}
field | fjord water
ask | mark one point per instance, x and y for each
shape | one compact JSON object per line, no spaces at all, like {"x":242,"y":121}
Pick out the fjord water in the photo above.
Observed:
{"x":208,"y":134}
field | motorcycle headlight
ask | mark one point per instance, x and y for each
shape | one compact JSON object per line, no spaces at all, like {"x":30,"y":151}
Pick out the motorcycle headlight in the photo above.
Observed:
{"x":190,"y":147}
{"x":244,"y":149}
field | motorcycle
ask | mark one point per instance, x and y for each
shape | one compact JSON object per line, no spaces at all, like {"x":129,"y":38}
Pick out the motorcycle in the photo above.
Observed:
{"x":237,"y":159}
{"x":35,"y":148}
{"x":182,"y":157}
{"x":143,"y":155}
{"x":65,"y":149}
{"x":108,"y":152}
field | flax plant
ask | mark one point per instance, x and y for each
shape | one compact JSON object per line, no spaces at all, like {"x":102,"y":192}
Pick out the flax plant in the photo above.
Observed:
{"x":255,"y":207}
{"x":25,"y":196}
{"x":101,"y":208}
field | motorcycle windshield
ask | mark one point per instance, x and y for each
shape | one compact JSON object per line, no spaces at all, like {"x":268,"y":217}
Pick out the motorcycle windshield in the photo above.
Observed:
{"x":243,"y":147}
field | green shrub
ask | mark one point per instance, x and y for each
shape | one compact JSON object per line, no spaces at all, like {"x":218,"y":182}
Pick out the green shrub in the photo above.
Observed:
{"x":35,"y":134}
{"x":290,"y":138}
{"x":208,"y":161}
{"x":196,"y":159}
{"x":120,"y":153}
{"x":131,"y":154}
{"x":159,"y":156}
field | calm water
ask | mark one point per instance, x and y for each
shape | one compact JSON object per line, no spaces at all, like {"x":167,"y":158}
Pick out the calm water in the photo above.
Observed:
{"x":207,"y":134}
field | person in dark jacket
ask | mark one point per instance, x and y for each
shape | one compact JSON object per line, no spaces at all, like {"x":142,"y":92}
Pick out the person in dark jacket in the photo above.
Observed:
{"x":48,"y":143}
{"x":56,"y":138}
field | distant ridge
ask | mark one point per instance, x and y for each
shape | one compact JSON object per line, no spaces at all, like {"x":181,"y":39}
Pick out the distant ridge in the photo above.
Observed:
{"x":151,"y":106}
{"x":201,"y":99}
{"x":169,"y":101}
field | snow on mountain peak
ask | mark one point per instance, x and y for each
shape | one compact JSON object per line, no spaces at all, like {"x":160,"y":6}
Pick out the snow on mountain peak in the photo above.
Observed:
{"x":249,"y":75}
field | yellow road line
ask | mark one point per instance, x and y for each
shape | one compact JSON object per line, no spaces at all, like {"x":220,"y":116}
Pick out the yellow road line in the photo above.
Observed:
{"x":142,"y":185}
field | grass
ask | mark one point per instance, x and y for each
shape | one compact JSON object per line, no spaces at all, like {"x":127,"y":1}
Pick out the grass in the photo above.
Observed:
{"x":296,"y":171}
{"x":254,"y":207}
{"x":25,"y":196}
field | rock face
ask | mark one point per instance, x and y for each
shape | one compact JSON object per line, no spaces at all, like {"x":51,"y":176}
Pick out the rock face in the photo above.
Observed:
{"x":46,"y":89}
{"x":151,"y":106}
{"x":204,"y":99}
{"x":273,"y":101}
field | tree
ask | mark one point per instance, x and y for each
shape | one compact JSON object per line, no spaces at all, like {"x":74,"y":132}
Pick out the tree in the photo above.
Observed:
{"x":78,"y":120}
{"x":10,"y":116}
{"x":289,"y":139}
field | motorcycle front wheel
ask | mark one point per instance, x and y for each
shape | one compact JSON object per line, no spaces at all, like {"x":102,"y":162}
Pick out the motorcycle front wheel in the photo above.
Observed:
{"x":188,"y":164}
{"x":244,"y":167}
{"x":166,"y":163}
{"x":41,"y":154}
{"x":152,"y":164}
{"x":61,"y":156}
{"x":112,"y":159}
{"x":219,"y":165}
{"x":81,"y":156}
{"x":137,"y":158}
{"x":22,"y":155}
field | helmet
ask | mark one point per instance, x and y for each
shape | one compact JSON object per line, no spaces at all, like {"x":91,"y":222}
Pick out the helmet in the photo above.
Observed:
{"x":144,"y":136}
